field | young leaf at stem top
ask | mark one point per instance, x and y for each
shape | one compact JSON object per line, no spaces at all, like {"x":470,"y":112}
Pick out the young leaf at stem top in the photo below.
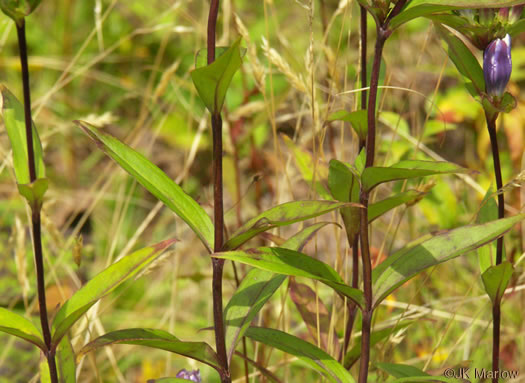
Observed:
{"x":212,"y":81}
{"x":463,"y":59}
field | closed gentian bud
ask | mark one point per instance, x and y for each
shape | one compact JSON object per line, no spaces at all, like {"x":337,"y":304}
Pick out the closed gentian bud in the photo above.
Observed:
{"x":497,"y":66}
{"x":515,"y":13}
{"x":503,"y":14}
{"x":192,"y":376}
{"x":486,"y":15}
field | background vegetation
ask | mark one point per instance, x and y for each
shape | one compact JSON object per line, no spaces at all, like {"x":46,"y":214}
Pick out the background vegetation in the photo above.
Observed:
{"x":126,"y":65}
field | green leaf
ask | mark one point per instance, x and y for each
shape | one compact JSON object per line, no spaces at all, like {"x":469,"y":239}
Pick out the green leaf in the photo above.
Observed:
{"x":488,"y":212}
{"x":379,"y":208}
{"x":376,"y":175}
{"x":430,"y":378}
{"x":406,"y":374}
{"x":314,"y":357}
{"x":469,"y":3}
{"x":343,"y":182}
{"x":414,"y":12}
{"x":101,"y":285}
{"x":157,"y":339}
{"x":466,"y":63}
{"x":18,"y":9}
{"x":34,"y":193}
{"x":299,"y":240}
{"x":401,"y":370}
{"x":496,"y":279}
{"x":290,"y":262}
{"x":14,"y":121}
{"x":155,"y":181}
{"x":256,"y":289}
{"x":377,"y":336}
{"x":516,"y":28}
{"x":17,"y":325}
{"x":358,"y":120}
{"x":212,"y":81}
{"x":408,"y":262}
{"x":280,"y":215}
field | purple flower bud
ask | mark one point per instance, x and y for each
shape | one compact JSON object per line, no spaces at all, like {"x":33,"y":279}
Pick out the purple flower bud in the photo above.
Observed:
{"x":497,"y":66}
{"x":192,"y":376}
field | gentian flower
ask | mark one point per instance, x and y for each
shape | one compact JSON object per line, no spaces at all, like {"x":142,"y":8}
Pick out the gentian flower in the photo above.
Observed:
{"x":497,"y":66}
{"x":192,"y":376}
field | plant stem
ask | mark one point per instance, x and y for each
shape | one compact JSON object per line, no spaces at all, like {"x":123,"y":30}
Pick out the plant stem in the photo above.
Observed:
{"x":363,"y":57}
{"x":382,"y":35}
{"x":22,"y":45}
{"x":218,"y":210}
{"x":218,"y":264}
{"x":35,"y":208}
{"x":496,"y":308}
{"x":491,"y":124}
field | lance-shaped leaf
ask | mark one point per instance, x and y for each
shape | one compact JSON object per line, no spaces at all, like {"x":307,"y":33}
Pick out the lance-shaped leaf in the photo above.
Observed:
{"x":419,"y":8}
{"x":466,"y":63}
{"x":290,"y":262}
{"x":379,"y":208}
{"x":17,"y":325}
{"x":313,"y":356}
{"x":411,"y":374}
{"x":280,"y":215}
{"x":314,"y":314}
{"x":358,"y":120}
{"x":155,"y":181}
{"x":158,"y":339}
{"x":496,"y":279}
{"x":376,"y":175}
{"x":377,"y":336}
{"x":488,"y":212}
{"x":408,"y":262}
{"x":212,"y":81}
{"x":14,"y":121}
{"x":401,"y":370}
{"x":256,"y":289}
{"x":101,"y":285}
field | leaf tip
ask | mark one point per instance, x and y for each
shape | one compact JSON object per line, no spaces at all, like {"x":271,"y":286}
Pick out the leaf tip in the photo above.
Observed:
{"x":164,"y":244}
